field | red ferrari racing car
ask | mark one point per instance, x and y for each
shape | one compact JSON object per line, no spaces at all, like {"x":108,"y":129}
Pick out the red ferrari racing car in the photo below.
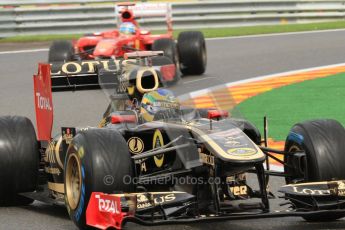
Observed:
{"x":188,"y":54}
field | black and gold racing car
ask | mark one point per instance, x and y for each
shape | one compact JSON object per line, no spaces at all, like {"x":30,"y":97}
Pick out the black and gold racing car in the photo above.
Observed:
{"x":152,"y":161}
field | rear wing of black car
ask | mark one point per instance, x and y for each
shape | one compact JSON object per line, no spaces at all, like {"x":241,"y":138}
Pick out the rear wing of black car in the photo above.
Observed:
{"x":77,"y":75}
{"x":90,"y":74}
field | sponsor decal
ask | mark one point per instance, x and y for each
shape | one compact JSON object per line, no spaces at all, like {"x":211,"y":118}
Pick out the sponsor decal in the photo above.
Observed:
{"x":308,"y":191}
{"x":336,"y":188}
{"x":106,"y":205}
{"x":144,"y":202}
{"x":232,"y":141}
{"x":135,"y":145}
{"x":164,"y":199}
{"x":207,"y":159}
{"x":87,"y":67}
{"x":242,"y":151}
{"x":68,"y":134}
{"x":239,"y":190}
{"x":158,"y":142}
{"x":143,"y":167}
{"x":166,"y":104}
{"x":234,"y":133}
{"x":43,"y":102}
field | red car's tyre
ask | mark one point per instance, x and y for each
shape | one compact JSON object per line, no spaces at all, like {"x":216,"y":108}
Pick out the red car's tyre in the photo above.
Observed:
{"x":19,"y":159}
{"x":97,"y":160}
{"x":61,"y":51}
{"x":168,"y":46}
{"x":191,"y":48}
{"x":324,"y":146}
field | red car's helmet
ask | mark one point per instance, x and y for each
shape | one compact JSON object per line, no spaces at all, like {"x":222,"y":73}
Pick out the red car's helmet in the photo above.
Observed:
{"x":127,"y":28}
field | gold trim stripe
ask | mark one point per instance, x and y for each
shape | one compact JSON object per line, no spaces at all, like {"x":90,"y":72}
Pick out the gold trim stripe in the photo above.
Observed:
{"x":57,"y":187}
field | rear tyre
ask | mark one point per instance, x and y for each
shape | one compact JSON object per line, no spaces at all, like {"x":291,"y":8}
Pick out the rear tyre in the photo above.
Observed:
{"x":323,"y":143}
{"x":61,"y":51}
{"x":19,"y":160}
{"x":97,"y":160}
{"x":191,"y":48}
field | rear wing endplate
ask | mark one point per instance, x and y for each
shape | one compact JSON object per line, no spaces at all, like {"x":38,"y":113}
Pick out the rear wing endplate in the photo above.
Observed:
{"x":43,"y":102}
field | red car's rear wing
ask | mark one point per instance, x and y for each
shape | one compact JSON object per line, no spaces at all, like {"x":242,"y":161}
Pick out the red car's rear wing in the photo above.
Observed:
{"x":128,"y":12}
{"x":43,"y":102}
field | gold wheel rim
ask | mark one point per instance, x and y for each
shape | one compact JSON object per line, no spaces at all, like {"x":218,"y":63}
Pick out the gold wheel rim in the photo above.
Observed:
{"x":73,"y":181}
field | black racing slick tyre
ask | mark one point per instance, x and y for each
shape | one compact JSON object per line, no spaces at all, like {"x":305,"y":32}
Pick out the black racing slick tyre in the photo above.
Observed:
{"x":168,"y":46}
{"x":97,"y":160}
{"x":61,"y":51}
{"x":191,"y":48}
{"x":324,"y":145}
{"x":19,"y":160}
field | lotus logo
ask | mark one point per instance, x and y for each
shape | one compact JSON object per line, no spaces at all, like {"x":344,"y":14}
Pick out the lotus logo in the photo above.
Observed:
{"x":242,"y":151}
{"x":308,"y":191}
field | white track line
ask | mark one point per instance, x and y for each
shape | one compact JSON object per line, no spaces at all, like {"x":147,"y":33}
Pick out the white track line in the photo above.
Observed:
{"x":196,"y":80}
{"x":23,"y":51}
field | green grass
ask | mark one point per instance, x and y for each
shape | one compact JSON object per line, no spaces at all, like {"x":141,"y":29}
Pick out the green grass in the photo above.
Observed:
{"x":210,"y":33}
{"x":40,"y":38}
{"x":286,"y":106}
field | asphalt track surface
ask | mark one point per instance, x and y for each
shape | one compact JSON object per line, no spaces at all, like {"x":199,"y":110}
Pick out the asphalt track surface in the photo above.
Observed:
{"x":228,"y":60}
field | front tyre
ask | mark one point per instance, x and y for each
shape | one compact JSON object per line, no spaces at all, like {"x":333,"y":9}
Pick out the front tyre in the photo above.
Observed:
{"x":324,"y":146}
{"x":168,"y":46}
{"x":97,"y":160}
{"x":191,"y":48}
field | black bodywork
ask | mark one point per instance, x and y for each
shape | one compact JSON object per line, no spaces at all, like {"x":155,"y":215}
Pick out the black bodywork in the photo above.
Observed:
{"x":218,"y":152}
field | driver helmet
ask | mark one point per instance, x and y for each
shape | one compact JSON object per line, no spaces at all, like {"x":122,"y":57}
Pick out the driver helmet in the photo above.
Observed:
{"x":127,"y":28}
{"x":160,"y":100}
